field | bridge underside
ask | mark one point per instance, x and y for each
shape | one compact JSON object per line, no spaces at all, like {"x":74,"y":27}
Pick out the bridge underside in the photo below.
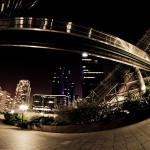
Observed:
{"x":54,"y":40}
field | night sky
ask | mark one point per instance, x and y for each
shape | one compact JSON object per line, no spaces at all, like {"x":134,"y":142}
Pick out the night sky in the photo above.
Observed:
{"x":124,"y":20}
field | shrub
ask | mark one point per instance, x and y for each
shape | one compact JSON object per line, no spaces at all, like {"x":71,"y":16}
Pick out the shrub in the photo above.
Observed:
{"x":22,"y":124}
{"x":11,"y":119}
{"x":84,"y":114}
{"x":46,"y":120}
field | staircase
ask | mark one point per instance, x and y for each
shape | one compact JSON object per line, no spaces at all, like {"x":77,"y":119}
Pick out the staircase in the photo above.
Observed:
{"x":144,"y":42}
{"x":108,"y":84}
{"x":116,"y":76}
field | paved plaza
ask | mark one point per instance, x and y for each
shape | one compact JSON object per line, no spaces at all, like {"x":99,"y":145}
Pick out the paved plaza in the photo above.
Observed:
{"x":133,"y":137}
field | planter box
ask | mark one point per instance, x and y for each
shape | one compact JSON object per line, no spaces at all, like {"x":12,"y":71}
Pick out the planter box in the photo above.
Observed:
{"x":79,"y":128}
{"x":68,"y":128}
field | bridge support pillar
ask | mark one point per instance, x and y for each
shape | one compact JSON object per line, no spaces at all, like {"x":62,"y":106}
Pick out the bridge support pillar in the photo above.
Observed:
{"x":141,"y":81}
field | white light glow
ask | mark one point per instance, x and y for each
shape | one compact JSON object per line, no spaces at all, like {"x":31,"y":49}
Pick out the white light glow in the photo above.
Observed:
{"x":84,"y":54}
{"x":23,"y":107}
{"x":69,"y":27}
{"x":89,"y":77}
{"x":93,"y":72}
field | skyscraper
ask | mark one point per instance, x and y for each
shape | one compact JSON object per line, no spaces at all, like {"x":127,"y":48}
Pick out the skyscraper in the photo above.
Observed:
{"x":61,"y":84}
{"x":57,"y":82}
{"x":6,"y":102}
{"x":23,"y":91}
{"x":92,"y":73}
{"x":72,"y":91}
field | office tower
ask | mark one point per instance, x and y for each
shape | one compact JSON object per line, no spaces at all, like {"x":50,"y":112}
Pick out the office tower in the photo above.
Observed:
{"x":92,"y":73}
{"x":72,"y":91}
{"x":6,"y":102}
{"x":58,"y":82}
{"x":66,"y":82}
{"x":23,"y":91}
{"x":61,"y":84}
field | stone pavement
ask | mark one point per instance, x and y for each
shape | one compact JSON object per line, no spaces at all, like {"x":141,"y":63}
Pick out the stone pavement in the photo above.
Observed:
{"x":132,"y":137}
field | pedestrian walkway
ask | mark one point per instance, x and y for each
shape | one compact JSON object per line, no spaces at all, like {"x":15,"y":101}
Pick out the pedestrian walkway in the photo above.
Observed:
{"x":132,"y":137}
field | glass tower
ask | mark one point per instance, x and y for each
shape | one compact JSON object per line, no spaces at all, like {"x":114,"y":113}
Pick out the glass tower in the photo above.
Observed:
{"x":61,"y":84}
{"x":92,"y":74}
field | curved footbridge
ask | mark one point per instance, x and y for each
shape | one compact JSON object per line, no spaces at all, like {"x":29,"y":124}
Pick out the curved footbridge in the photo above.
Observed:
{"x":47,"y":33}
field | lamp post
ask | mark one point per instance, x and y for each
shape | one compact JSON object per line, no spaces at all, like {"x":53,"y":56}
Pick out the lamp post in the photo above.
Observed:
{"x":51,"y":103}
{"x":23,"y":108}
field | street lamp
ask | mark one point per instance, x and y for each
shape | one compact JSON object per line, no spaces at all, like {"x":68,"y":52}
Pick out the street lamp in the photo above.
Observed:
{"x":23,"y":108}
{"x":51,"y":105}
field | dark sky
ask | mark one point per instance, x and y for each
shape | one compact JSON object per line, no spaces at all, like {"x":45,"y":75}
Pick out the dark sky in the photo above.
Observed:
{"x":121,"y":19}
{"x":35,"y":65}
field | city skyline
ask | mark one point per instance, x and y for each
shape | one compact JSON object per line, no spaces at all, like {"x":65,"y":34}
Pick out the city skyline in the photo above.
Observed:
{"x":37,"y":66}
{"x":122,"y":22}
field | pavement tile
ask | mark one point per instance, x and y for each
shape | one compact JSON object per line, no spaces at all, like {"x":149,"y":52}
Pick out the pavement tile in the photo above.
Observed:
{"x":132,"y":137}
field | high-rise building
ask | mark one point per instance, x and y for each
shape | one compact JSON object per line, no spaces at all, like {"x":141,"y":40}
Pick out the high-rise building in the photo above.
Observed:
{"x":66,"y":81}
{"x":92,"y":74}
{"x":61,"y":84}
{"x":58,"y":82}
{"x":72,"y":92}
{"x":6,"y":102}
{"x":23,"y":91}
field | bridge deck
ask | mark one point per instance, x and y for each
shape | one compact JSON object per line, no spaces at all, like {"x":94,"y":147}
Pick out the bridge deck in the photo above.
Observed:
{"x":50,"y":34}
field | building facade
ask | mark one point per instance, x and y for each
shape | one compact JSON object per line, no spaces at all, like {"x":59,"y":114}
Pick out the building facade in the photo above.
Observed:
{"x":47,"y":103}
{"x":6,"y":102}
{"x":61,"y":83}
{"x":23,"y":91}
{"x":92,"y":74}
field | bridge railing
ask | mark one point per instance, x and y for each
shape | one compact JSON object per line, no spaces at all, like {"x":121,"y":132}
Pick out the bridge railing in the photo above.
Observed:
{"x":71,"y":28}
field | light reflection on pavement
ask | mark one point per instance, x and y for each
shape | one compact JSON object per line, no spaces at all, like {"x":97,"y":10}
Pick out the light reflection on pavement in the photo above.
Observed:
{"x":133,"y":137}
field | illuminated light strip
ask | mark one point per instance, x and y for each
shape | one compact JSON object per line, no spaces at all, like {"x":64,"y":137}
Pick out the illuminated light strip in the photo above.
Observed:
{"x":2,"y":8}
{"x":93,"y":72}
{"x":34,"y":108}
{"x":89,"y":77}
